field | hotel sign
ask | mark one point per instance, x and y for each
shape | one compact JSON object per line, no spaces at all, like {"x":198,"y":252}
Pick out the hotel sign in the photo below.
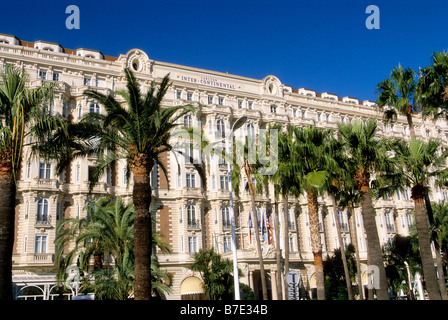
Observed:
{"x":207,"y":81}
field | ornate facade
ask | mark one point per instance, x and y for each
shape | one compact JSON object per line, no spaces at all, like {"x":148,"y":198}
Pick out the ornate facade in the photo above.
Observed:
{"x":190,"y":215}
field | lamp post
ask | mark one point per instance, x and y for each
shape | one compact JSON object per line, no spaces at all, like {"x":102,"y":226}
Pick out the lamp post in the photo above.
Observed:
{"x":235,"y":126}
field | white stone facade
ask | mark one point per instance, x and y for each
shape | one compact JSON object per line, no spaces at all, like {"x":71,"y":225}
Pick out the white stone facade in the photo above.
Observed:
{"x":191,"y":216}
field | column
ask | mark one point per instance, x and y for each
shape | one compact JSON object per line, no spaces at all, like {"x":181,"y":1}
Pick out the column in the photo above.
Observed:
{"x":274,"y":284}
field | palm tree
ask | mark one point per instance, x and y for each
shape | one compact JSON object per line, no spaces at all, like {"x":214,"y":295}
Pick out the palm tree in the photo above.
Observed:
{"x":417,"y":162}
{"x":367,"y":155}
{"x":397,"y":92}
{"x":284,"y":183}
{"x":312,"y":157}
{"x":107,"y":228}
{"x":19,"y":107}
{"x":402,"y":258}
{"x":250,"y":169}
{"x":138,"y":134}
{"x":431,"y":90}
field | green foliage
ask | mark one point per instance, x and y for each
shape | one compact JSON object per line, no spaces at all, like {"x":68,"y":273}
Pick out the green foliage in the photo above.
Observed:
{"x":215,"y":273}
{"x":335,"y":285}
{"x":107,"y":229}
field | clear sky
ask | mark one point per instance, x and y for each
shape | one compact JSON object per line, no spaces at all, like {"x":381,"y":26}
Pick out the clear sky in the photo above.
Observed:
{"x":319,"y":45}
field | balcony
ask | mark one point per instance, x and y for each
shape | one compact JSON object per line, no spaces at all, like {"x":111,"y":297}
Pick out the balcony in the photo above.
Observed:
{"x":193,"y":225}
{"x":390,"y":228}
{"x":43,"y":221}
{"x":226,"y":224}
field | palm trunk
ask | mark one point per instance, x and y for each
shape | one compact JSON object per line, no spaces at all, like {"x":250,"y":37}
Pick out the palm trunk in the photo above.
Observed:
{"x":286,"y":237}
{"x":141,"y":167}
{"x":7,"y":217}
{"x":421,"y":224}
{"x":374,"y":254}
{"x":316,"y":245}
{"x":435,"y":241}
{"x":354,"y":235}
{"x":97,"y":262}
{"x":343,"y":256}
{"x":257,"y":236}
{"x":410,"y":123}
{"x":277,"y":251}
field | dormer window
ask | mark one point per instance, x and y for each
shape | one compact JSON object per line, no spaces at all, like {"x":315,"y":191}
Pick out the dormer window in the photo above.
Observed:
{"x":4,"y":41}
{"x":90,"y":56}
{"x":48,"y":49}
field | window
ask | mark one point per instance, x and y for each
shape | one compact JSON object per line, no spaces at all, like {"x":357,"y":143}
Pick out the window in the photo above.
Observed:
{"x":94,"y":107}
{"x":409,"y":219}
{"x":189,"y":96}
{"x":125,"y":176}
{"x":78,"y":173}
{"x":191,"y":215}
{"x":44,"y":170}
{"x":220,"y":129}
{"x":224,"y":182}
{"x":273,"y":108}
{"x":210,"y":99}
{"x":180,"y":215}
{"x":227,"y":244}
{"x":240,"y":104}
{"x":178,"y":94}
{"x":250,"y":131}
{"x":225,"y":216}
{"x":191,"y":180}
{"x":189,"y":153}
{"x":250,"y":105}
{"x":27,"y":209}
{"x":42,"y":74}
{"x":221,"y":101}
{"x":42,"y":211}
{"x":40,"y":244}
{"x":79,"y":111}
{"x":56,"y":76}
{"x":179,"y":180}
{"x":192,"y":245}
{"x":318,"y":117}
{"x":87,"y":81}
{"x":406,"y":194}
{"x":291,"y":244}
{"x":25,"y":240}
{"x":28,"y":170}
{"x":188,"y":122}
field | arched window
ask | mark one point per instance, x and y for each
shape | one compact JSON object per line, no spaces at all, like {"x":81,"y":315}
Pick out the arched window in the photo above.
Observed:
{"x":250,"y":131}
{"x":42,"y":211}
{"x":225,"y":216}
{"x":191,"y":215}
{"x":220,"y":129}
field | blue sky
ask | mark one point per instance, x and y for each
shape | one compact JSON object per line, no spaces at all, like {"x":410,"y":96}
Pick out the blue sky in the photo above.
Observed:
{"x":320,"y":45}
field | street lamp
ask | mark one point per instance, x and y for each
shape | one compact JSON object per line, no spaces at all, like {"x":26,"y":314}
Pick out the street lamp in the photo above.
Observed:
{"x":235,"y":126}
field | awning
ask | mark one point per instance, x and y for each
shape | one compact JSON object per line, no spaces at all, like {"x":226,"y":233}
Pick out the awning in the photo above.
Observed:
{"x":191,"y":285}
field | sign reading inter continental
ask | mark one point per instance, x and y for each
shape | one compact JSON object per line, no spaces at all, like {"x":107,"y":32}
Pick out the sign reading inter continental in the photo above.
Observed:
{"x":208,"y":82}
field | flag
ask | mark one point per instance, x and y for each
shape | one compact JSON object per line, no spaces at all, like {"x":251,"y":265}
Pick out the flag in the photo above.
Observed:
{"x":262,"y":225}
{"x":268,"y":227}
{"x":250,"y":228}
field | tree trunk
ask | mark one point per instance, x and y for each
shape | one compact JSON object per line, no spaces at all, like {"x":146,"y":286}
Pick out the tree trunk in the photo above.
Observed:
{"x":348,"y":282}
{"x":354,"y":235}
{"x":97,"y":262}
{"x":374,"y":254}
{"x":316,"y":245}
{"x":432,"y":285}
{"x":286,"y":238}
{"x":7,"y":217}
{"x":278,"y":251}
{"x":435,"y":241}
{"x":141,"y":166}
{"x":257,"y":236}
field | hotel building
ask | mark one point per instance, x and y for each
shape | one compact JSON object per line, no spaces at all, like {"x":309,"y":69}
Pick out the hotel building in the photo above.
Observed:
{"x":190,"y":215}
